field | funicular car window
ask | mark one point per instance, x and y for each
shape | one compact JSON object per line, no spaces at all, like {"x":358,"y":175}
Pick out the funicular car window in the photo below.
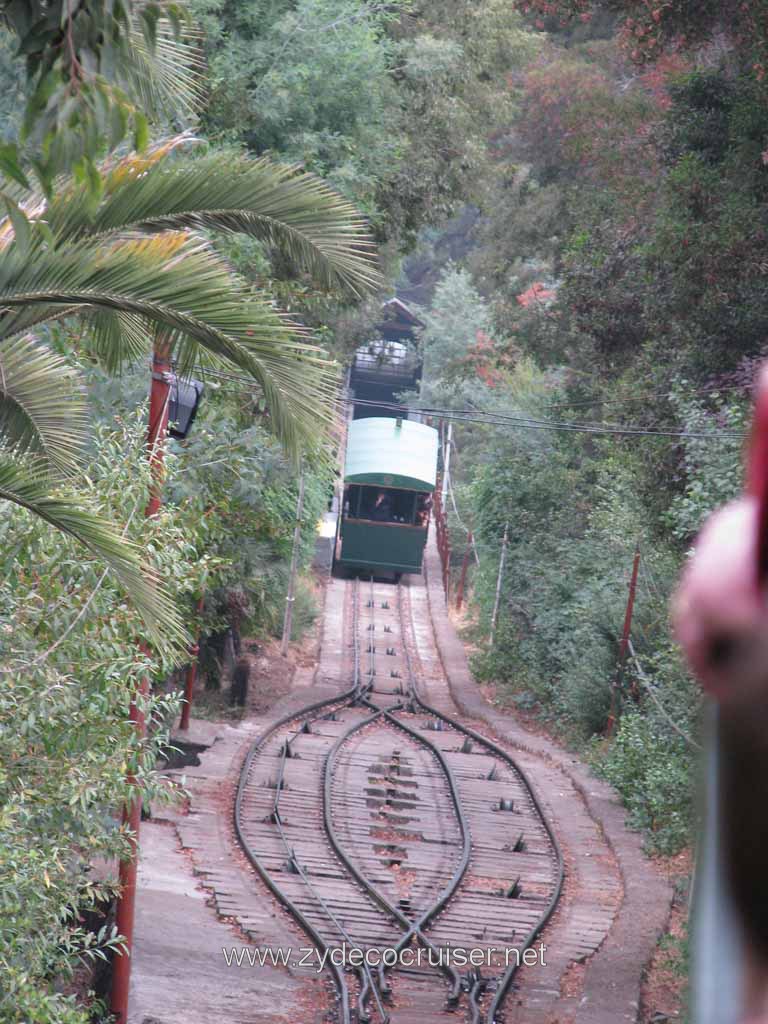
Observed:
{"x":380,"y":504}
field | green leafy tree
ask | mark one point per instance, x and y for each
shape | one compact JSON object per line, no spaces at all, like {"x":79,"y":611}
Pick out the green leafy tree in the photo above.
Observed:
{"x":236,"y":475}
{"x":392,"y":103}
{"x":96,"y":73}
{"x":714,"y":473}
{"x":310,"y":81}
{"x":457,"y":316}
{"x":70,"y":665}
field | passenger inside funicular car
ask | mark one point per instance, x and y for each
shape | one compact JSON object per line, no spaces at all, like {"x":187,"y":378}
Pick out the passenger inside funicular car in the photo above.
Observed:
{"x":382,"y":508}
{"x":386,"y":505}
{"x":423,"y":507}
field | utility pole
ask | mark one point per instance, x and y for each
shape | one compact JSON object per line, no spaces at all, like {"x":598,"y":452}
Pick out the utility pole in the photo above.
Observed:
{"x":288,"y":617}
{"x":624,"y":642}
{"x":502,"y":560}
{"x":159,"y":400}
{"x":159,"y":397}
{"x":447,"y":461}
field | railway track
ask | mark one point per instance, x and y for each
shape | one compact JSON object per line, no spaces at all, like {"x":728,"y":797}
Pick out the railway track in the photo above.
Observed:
{"x":410,"y":849}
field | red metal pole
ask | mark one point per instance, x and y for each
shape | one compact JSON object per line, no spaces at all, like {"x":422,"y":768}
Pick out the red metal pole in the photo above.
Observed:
{"x":447,"y":562}
{"x":126,"y":903}
{"x":624,"y":642}
{"x":463,"y":577}
{"x":158,"y":424}
{"x":189,"y":684}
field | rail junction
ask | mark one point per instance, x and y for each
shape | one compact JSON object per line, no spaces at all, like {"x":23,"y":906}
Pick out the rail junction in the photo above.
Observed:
{"x":383,"y":805}
{"x":379,"y":821}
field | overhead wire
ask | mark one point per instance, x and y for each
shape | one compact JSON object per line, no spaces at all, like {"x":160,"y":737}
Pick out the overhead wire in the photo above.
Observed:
{"x":522,"y":422}
{"x":627,"y":400}
{"x":537,"y":423}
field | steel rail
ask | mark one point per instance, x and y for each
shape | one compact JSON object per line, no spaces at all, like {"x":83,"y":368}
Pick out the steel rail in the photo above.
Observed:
{"x":476,"y":991}
{"x":474,"y":984}
{"x":330,"y":830}
{"x":466,"y":853}
{"x":363,"y":971}
{"x":264,"y":874}
{"x":413,"y":928}
{"x":372,"y":643}
{"x":509,"y":975}
{"x":304,"y":715}
{"x":348,"y":698}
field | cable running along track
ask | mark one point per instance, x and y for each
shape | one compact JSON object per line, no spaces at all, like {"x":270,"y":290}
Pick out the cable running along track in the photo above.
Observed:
{"x":381,"y":823}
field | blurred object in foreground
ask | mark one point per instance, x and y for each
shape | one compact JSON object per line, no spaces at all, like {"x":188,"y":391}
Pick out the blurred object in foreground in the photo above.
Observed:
{"x":720,"y":614}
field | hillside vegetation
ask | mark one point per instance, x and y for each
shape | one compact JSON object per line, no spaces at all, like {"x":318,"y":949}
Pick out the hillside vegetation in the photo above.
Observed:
{"x":576,"y":195}
{"x":614,"y":295}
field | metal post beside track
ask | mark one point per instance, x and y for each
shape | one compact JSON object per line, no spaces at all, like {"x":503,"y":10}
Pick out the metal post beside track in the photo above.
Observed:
{"x":463,"y":577}
{"x":499,"y":579}
{"x":191,"y":676}
{"x":624,"y":644}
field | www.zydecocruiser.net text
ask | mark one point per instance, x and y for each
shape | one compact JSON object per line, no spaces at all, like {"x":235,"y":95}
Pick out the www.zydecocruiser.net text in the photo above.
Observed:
{"x":356,"y":956}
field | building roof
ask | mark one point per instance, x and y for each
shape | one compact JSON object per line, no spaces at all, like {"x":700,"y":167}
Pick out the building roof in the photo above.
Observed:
{"x":391,"y":453}
{"x":396,"y":309}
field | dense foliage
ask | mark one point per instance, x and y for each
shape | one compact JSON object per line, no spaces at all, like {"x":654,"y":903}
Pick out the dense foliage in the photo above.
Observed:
{"x":648,"y":28}
{"x":96,"y":73}
{"x":393,"y":103}
{"x":70,"y":663}
{"x":98,"y":268}
{"x":620,"y":284}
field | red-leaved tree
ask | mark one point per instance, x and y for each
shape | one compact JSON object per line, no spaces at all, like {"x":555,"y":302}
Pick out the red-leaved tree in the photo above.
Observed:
{"x":650,"y":28}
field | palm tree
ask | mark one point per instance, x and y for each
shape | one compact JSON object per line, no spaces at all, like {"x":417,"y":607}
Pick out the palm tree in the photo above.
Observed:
{"x":138,"y":263}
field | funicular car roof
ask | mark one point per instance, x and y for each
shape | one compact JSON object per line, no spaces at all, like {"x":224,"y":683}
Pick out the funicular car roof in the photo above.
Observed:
{"x":387,"y":452}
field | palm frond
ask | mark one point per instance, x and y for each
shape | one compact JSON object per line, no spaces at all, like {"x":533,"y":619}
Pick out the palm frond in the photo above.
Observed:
{"x":42,"y":403}
{"x":190,"y":292}
{"x":24,"y":486}
{"x":168,"y":80}
{"x":117,"y":338}
{"x":293,"y":210}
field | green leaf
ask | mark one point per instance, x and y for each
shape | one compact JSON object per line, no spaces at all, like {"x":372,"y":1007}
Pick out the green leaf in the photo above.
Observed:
{"x":95,"y":182}
{"x":140,"y":131}
{"x":35,"y":40}
{"x":42,"y":403}
{"x":21,"y":229}
{"x":150,"y":16}
{"x":118,"y":123}
{"x":9,"y":164}
{"x":25,"y":486}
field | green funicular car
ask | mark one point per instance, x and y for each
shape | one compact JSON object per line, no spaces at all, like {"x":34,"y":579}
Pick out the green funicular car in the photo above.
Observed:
{"x":389,"y":478}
